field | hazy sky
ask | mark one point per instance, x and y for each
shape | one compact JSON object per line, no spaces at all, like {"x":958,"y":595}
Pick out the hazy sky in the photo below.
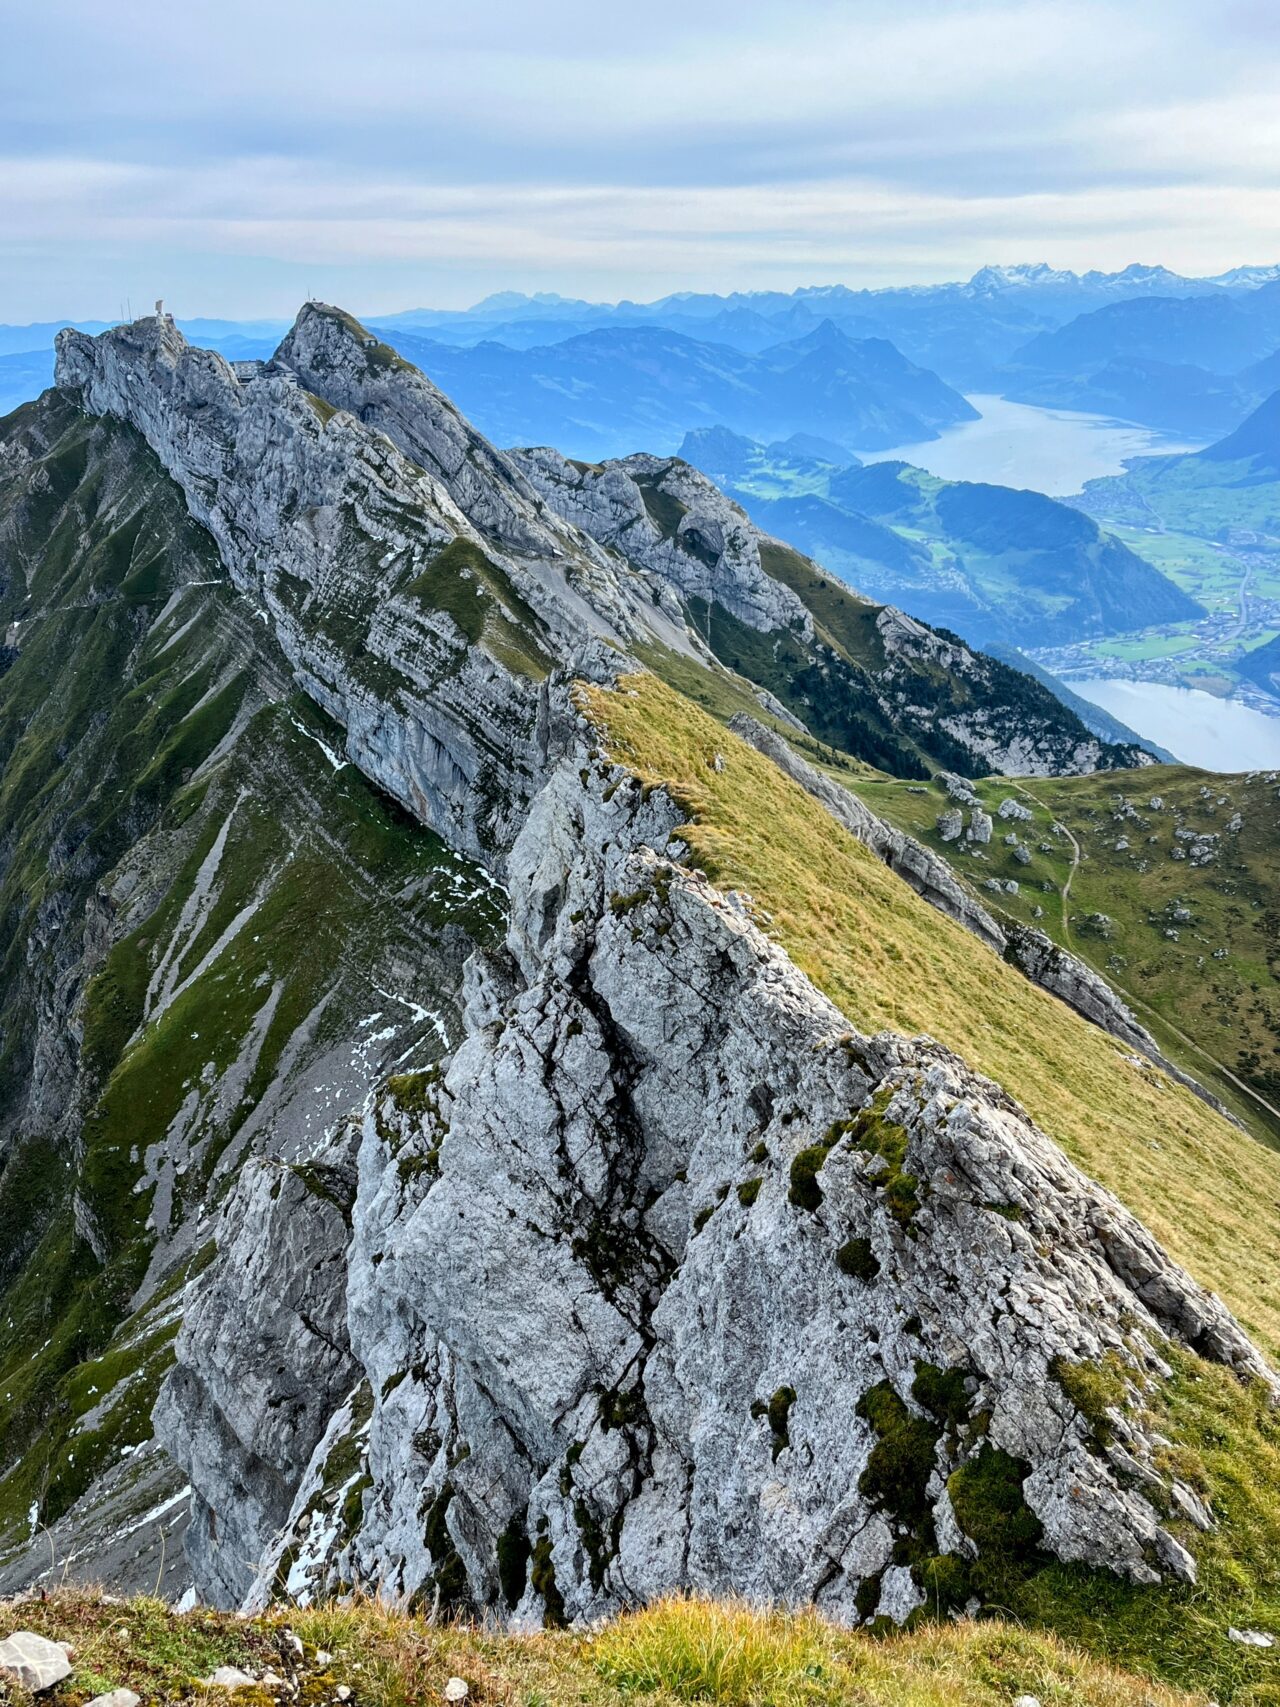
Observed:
{"x":237,"y":158}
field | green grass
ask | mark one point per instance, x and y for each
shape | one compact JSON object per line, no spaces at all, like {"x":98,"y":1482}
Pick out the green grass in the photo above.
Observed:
{"x":109,"y":727}
{"x":1229,"y":1005}
{"x":724,"y":1653}
{"x":1209,"y":1192}
{"x":477,"y":593}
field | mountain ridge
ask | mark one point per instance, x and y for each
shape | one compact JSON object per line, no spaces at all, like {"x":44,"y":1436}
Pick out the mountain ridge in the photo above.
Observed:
{"x":688,"y":1076}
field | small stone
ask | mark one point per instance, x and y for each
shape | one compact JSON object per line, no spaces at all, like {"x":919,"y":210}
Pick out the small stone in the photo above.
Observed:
{"x":456,"y":1689}
{"x":117,"y":1698}
{"x":1251,"y":1638}
{"x":1190,"y":1505}
{"x":229,"y":1677}
{"x":34,"y":1661}
{"x":323,"y":1658}
{"x":342,"y":1692}
{"x":1026,"y":1701}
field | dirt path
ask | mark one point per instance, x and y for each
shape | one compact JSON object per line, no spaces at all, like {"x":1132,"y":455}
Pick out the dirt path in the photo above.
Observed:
{"x":1075,"y":860}
{"x":1137,"y":1001}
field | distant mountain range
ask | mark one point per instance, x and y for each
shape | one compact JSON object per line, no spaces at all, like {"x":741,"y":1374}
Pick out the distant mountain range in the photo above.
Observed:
{"x":863,"y":369}
{"x":1193,"y":364}
{"x":609,"y":392}
{"x":963,"y":331}
{"x":998,"y":566}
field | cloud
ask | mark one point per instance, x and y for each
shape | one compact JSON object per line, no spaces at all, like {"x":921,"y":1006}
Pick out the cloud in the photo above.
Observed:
{"x":224,"y":154}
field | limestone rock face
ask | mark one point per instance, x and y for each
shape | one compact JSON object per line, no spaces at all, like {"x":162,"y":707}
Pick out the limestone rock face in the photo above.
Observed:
{"x":644,"y":1282}
{"x":636,"y":1291}
{"x":263,"y":1359}
{"x":432,"y":660}
{"x":662,"y":513}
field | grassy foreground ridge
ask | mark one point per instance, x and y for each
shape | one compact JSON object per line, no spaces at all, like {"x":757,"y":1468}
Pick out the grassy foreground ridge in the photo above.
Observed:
{"x":675,"y":1651}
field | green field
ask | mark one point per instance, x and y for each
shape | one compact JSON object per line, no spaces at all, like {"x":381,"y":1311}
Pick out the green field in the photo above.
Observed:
{"x":1212,"y":985}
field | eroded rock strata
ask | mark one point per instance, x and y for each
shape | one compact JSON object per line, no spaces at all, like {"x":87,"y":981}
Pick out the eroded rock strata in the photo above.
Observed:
{"x":664,"y":1276}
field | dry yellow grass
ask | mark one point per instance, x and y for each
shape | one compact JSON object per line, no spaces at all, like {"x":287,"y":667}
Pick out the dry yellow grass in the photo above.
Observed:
{"x":1206,"y":1190}
{"x":675,"y":1651}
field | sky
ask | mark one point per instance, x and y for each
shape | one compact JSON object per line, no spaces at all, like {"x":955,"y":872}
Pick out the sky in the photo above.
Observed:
{"x":239,"y":158}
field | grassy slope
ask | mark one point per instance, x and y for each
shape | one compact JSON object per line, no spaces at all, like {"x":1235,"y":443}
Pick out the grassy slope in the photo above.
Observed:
{"x":144,"y":716}
{"x":888,"y":959}
{"x":1182,"y":984}
{"x":1209,"y":1191}
{"x":675,"y":1652}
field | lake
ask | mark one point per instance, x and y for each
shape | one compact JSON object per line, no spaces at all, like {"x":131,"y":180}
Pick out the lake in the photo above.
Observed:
{"x":1018,"y":444}
{"x":1216,"y":734}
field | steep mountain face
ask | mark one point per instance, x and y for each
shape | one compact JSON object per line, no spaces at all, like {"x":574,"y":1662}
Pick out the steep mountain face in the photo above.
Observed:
{"x":1262,"y":666}
{"x":714,"y":1178}
{"x":864,"y":677}
{"x":1217,"y":332}
{"x":1256,"y":440}
{"x":998,"y":565}
{"x":538,"y":1248}
{"x":1102,"y":723}
{"x":214,"y":934}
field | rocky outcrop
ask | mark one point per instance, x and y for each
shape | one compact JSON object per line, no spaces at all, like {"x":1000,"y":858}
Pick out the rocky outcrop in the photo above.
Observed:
{"x":263,"y":1360}
{"x":673,"y":1280}
{"x":639,"y":1289}
{"x":422,"y":584}
{"x":425,"y":628}
{"x":660,"y":512}
{"x":867,"y":669}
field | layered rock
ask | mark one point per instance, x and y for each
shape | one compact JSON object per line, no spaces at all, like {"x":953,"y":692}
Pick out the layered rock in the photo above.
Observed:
{"x":263,"y":1360}
{"x":647,"y":1285}
{"x":889,"y":669}
{"x":636,"y":1293}
{"x":425,"y":633}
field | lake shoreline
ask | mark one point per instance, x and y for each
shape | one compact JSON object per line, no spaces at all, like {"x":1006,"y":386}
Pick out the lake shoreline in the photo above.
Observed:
{"x":1023,"y":445}
{"x":1224,"y":735}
